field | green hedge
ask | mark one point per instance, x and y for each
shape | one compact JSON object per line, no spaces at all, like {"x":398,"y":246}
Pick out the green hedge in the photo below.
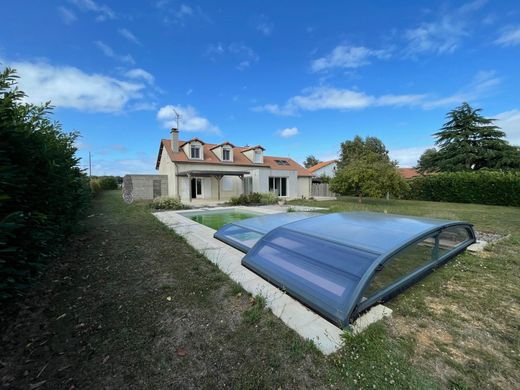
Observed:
{"x":43,"y":192}
{"x":254,"y":199}
{"x":484,"y":187}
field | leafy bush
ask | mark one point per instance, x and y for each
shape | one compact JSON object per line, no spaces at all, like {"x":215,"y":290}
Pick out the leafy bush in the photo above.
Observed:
{"x":269,"y":198}
{"x":484,"y":187}
{"x":95,"y":187}
{"x":254,"y":198}
{"x":43,"y":192}
{"x":167,"y":204}
{"x":108,"y":183}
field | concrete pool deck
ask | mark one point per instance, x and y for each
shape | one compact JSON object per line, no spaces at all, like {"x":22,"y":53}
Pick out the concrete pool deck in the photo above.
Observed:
{"x":326,"y":336}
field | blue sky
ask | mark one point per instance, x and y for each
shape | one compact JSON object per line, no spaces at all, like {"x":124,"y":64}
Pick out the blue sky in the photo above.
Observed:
{"x":298,"y":78}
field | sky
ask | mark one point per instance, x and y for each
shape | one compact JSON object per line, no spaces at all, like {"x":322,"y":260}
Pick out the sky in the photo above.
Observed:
{"x":296,"y":77}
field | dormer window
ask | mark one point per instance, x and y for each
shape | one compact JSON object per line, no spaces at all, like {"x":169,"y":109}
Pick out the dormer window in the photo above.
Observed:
{"x":195,"y":151}
{"x":258,"y":156}
{"x":226,"y":154}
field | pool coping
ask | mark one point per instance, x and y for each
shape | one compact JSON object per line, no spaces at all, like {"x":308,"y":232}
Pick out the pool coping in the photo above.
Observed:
{"x":327,"y":337}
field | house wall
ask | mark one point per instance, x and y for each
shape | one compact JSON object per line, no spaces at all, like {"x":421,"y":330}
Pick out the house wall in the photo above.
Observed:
{"x":292,"y":181}
{"x":304,"y":187}
{"x":167,"y":167}
{"x":329,"y":170}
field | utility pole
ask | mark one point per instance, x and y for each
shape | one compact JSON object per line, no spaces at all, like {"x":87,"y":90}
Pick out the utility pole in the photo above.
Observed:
{"x":90,"y":165}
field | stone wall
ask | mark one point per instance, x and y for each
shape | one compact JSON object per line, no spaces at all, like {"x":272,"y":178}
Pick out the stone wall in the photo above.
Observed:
{"x":144,"y":187}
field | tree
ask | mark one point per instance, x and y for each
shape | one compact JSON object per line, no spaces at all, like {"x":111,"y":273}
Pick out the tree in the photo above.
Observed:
{"x":357,"y":148}
{"x":310,"y":161}
{"x":369,"y":176}
{"x":469,"y":141}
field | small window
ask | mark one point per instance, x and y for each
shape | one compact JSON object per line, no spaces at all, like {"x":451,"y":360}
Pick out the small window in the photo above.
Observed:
{"x":258,"y":156}
{"x":195,"y":151}
{"x":282,"y":162}
{"x":226,"y":154}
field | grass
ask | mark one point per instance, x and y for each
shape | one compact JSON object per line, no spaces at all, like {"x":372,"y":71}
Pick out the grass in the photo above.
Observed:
{"x":132,"y":305}
{"x":462,"y":323}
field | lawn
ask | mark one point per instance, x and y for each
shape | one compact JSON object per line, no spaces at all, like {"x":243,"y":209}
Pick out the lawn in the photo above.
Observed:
{"x":132,"y":305}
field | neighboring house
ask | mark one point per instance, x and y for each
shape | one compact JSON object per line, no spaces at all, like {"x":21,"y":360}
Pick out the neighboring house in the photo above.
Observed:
{"x":198,"y":170}
{"x":408,"y":173}
{"x":325,"y":168}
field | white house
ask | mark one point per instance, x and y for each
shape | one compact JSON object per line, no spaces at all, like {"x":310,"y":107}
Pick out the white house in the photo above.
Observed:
{"x":325,"y":168}
{"x":199,"y":170}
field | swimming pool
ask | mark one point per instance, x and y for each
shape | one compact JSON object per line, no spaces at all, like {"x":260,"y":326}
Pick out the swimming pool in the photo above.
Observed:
{"x":215,"y":219}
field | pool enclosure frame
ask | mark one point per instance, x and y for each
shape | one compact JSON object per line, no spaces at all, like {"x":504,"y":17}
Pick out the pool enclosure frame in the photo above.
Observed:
{"x":344,"y":307}
{"x":401,"y":284}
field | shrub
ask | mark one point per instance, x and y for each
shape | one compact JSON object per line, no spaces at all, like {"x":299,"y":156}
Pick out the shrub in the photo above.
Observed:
{"x":95,"y":187}
{"x":167,"y":204}
{"x":254,"y":198}
{"x":108,"y":183}
{"x":43,"y":192}
{"x":484,"y":187}
{"x":269,"y":198}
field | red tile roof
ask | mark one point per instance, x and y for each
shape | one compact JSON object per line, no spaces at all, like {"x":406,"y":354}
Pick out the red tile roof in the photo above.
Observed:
{"x":408,"y":173}
{"x":239,"y":158}
{"x":320,"y":165}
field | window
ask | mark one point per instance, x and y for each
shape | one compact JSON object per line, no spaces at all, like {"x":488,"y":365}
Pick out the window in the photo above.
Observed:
{"x":278,"y":185}
{"x":416,"y":256}
{"x":248,"y":185}
{"x":282,"y":162}
{"x":227,"y":183}
{"x":195,"y":151}
{"x":258,"y":156}
{"x":226,"y":154}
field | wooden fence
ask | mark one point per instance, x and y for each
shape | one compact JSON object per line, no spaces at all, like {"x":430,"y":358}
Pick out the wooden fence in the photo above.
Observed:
{"x":321,"y":189}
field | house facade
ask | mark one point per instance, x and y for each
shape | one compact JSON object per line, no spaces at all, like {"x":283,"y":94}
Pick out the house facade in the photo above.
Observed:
{"x":325,"y":168}
{"x":197,"y":170}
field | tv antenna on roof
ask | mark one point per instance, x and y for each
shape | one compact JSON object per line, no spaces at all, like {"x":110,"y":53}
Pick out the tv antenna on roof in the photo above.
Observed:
{"x":177,"y":115}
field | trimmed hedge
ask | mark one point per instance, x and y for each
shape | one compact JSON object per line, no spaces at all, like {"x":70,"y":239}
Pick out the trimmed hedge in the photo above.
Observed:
{"x":43,"y":192}
{"x":483,"y":187}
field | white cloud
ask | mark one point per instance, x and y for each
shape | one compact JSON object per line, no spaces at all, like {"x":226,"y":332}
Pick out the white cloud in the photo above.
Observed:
{"x":243,"y":54}
{"x":509,"y":37}
{"x":509,"y":121}
{"x":189,"y":120}
{"x":288,"y":132}
{"x":407,"y":157}
{"x":344,"y":56}
{"x":125,"y":33}
{"x":482,"y":84}
{"x":103,"y":11}
{"x":109,"y":52}
{"x":331,"y":98}
{"x":70,"y":87}
{"x":142,"y":74}
{"x":443,"y":35}
{"x":67,"y":16}
{"x":264,"y":25}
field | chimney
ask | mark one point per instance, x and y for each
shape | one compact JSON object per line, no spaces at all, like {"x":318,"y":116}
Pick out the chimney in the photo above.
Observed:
{"x":175,"y":140}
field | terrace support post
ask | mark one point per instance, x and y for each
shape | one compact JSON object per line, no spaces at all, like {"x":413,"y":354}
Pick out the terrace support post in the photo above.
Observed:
{"x":189,"y":187}
{"x":242,"y":181}
{"x":219,"y":178}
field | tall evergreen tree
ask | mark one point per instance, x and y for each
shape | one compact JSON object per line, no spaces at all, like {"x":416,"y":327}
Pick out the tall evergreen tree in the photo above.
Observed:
{"x":469,"y":141}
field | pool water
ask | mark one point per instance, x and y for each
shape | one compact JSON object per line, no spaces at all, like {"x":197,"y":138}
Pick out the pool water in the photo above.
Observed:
{"x":217,"y":219}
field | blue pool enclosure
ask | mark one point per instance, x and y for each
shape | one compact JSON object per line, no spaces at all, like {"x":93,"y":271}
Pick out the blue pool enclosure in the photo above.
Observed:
{"x":343,"y":263}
